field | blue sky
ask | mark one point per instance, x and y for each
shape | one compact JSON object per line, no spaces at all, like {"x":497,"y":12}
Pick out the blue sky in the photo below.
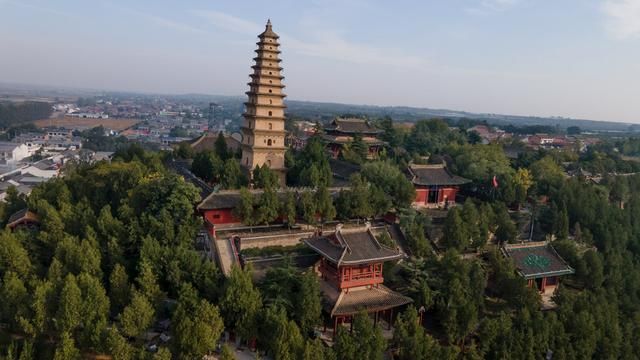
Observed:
{"x":578,"y":58}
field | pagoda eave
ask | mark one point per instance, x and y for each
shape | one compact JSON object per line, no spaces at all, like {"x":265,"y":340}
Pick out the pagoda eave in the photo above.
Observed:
{"x":259,"y":50}
{"x":258,"y":67}
{"x":281,"y":86}
{"x":257,"y":58}
{"x":262,"y":43}
{"x":265,"y":94}
{"x":245,"y":129}
{"x":265,"y":147}
{"x":262,"y":117}
{"x":253,"y":76}
{"x":266,"y":105}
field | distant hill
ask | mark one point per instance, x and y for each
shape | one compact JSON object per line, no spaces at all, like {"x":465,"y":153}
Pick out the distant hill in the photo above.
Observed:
{"x":324,"y":111}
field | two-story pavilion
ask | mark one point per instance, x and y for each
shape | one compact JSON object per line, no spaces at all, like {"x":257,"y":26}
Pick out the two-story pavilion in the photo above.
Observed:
{"x":342,"y":131}
{"x":351,"y":274}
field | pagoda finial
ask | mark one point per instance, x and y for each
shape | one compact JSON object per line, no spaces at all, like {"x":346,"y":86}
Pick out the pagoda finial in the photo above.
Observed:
{"x":268,"y":23}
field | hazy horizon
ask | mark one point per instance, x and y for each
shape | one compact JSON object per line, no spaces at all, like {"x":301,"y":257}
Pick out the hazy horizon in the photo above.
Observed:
{"x":576,"y":59}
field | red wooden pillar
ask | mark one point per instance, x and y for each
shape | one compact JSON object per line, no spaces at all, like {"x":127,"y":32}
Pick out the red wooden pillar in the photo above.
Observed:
{"x":543,"y":284}
{"x":335,"y":326}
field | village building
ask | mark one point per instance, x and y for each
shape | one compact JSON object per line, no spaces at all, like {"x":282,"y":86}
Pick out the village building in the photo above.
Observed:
{"x":23,"y":219}
{"x":342,"y":131}
{"x":207,"y":142}
{"x":263,"y":133}
{"x":540,"y":265}
{"x":350,"y":268}
{"x":435,"y":185}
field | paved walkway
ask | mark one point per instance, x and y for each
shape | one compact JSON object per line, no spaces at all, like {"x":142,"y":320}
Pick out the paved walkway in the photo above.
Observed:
{"x":226,"y":257}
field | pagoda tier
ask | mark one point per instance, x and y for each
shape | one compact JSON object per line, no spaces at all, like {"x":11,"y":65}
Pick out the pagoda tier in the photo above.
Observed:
{"x":263,"y":133}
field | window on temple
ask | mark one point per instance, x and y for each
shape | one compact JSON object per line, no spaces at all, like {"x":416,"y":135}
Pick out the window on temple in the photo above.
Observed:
{"x":270,"y":126}
{"x":270,"y":113}
{"x":269,"y":142}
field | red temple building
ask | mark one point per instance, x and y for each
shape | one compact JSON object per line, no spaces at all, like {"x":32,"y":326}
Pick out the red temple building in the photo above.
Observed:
{"x":435,"y":185}
{"x":351,"y":274}
{"x":539,"y":264}
{"x":342,"y":131}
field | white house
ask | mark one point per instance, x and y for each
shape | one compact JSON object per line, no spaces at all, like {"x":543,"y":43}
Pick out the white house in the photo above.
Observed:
{"x":11,"y":153}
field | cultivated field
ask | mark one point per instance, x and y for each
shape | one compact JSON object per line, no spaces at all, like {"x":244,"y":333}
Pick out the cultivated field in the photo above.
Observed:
{"x":75,"y":123}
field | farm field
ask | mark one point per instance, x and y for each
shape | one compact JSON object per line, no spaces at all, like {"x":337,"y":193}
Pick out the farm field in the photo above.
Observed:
{"x":76,"y":123}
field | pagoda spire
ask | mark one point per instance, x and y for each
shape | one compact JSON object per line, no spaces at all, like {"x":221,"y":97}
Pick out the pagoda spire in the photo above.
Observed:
{"x":263,"y":134}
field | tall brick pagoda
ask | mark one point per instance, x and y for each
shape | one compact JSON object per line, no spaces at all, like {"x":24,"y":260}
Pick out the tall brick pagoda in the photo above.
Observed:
{"x":263,"y":133}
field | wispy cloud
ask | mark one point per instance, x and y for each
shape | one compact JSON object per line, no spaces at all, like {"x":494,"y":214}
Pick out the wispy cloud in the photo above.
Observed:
{"x":623,"y":18}
{"x":228,"y":22}
{"x":322,"y":44}
{"x":39,"y":8}
{"x":174,"y":25}
{"x":489,"y":6}
{"x":155,"y":19}
{"x":330,"y":45}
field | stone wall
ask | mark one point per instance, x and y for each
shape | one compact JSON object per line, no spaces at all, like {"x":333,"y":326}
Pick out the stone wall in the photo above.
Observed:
{"x":261,"y":241}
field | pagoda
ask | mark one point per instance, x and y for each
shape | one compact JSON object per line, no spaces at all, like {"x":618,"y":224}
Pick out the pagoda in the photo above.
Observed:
{"x":263,"y":133}
{"x":350,"y":269}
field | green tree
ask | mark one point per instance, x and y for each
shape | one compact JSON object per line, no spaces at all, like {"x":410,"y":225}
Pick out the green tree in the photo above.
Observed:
{"x":117,"y":346}
{"x":268,"y":206}
{"x":137,"y":316}
{"x":264,"y":177}
{"x":411,"y":340}
{"x":119,"y":288}
{"x":240,"y":303}
{"x":388,"y":177}
{"x":455,"y":233}
{"x":547,"y":174}
{"x":207,"y":166}
{"x":359,"y":196}
{"x":68,"y":316}
{"x":506,"y":230}
{"x":226,"y":353}
{"x":308,"y":307}
{"x":94,"y":310}
{"x":245,"y":209}
{"x":324,"y":204}
{"x":308,"y":207}
{"x":316,"y":350}
{"x":364,"y":342}
{"x":66,"y":348}
{"x":197,"y":324}
{"x":148,"y":286}
{"x":523,"y":181}
{"x":13,"y":299}
{"x":288,"y":209}
{"x":232,"y":176}
{"x":221,"y":148}
{"x":13,"y":256}
{"x":281,"y":336}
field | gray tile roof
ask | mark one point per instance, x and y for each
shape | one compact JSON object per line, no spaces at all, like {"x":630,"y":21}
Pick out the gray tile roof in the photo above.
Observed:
{"x":434,"y":175}
{"x":369,"y":300}
{"x":536,"y":260}
{"x":352,"y":247}
{"x":352,"y":126}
